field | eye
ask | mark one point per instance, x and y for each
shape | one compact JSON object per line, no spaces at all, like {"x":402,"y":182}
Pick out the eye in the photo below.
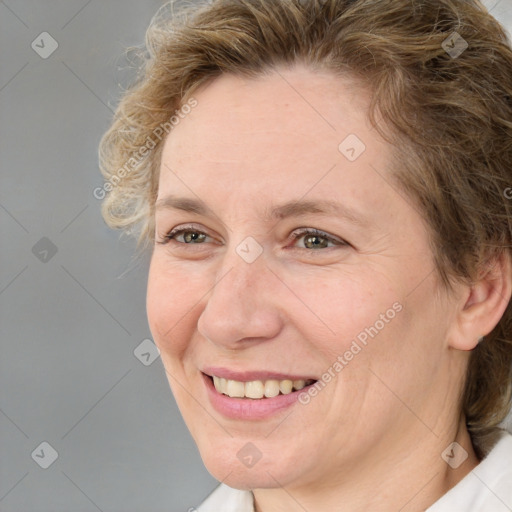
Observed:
{"x":186,"y":235}
{"x":315,"y":239}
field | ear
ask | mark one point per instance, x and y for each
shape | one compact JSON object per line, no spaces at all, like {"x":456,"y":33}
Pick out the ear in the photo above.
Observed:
{"x":483,"y":304}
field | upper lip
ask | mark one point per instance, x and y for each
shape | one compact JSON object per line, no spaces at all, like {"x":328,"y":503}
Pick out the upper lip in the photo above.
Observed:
{"x":250,"y":375}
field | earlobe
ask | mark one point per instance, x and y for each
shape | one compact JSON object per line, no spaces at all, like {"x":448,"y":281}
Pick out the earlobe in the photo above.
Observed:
{"x":485,"y":303}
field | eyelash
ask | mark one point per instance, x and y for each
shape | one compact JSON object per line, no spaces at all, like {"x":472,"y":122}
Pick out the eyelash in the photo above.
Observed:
{"x":297,"y":235}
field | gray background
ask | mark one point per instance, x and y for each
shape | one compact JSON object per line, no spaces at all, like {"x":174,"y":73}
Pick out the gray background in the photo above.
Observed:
{"x":71,"y":372}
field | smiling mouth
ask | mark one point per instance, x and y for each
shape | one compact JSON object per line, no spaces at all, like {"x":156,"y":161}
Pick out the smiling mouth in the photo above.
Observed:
{"x":258,"y":389}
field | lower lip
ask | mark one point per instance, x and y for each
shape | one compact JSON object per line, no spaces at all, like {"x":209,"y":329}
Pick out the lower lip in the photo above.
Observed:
{"x":248,"y":408}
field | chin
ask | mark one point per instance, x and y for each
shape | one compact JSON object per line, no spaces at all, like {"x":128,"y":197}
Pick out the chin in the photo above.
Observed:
{"x":260,"y":476}
{"x":237,"y":463}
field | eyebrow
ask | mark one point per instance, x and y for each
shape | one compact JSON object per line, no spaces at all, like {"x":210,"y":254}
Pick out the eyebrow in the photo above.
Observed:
{"x":324,"y":207}
{"x":183,"y":203}
{"x":295,"y":208}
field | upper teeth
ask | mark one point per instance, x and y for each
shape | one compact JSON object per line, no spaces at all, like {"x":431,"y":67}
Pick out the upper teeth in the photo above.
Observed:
{"x":256,"y":388}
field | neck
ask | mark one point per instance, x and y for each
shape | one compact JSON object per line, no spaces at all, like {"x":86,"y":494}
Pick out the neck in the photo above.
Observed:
{"x":410,"y":478}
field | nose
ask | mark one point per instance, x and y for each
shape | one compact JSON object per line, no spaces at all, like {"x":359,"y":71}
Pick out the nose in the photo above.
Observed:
{"x":242,"y":306}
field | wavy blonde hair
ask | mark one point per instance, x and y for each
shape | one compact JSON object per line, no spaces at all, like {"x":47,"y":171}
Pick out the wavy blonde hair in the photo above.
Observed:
{"x":448,"y":116}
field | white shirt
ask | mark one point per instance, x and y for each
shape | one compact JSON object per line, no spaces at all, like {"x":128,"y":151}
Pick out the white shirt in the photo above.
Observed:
{"x":487,"y":488}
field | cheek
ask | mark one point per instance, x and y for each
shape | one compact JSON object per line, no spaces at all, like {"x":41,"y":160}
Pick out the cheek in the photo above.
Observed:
{"x":172,"y":300}
{"x":337,"y":308}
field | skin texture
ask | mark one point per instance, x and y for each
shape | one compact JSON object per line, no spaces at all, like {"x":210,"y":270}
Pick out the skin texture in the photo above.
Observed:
{"x":372,"y":438}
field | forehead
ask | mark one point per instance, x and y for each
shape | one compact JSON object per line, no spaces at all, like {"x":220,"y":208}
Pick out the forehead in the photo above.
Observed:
{"x":280,"y":136}
{"x":297,"y":101}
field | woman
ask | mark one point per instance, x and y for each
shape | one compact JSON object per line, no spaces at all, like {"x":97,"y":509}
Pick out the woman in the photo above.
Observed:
{"x":322,"y":184}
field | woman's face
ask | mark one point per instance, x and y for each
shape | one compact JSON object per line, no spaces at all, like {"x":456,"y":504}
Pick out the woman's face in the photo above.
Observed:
{"x":291,"y":255}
